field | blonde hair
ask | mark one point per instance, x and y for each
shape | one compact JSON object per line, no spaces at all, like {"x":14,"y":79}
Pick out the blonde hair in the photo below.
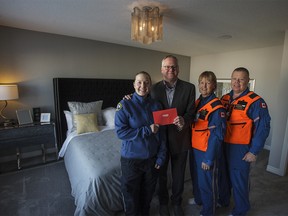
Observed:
{"x":210,"y":76}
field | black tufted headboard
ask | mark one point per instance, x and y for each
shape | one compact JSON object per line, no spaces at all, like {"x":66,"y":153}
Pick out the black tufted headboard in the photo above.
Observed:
{"x":111,"y":91}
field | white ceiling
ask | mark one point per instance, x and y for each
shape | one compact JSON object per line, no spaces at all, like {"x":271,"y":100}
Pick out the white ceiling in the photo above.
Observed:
{"x":191,"y":27}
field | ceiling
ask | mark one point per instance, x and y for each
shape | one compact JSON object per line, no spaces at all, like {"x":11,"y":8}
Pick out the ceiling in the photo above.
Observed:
{"x":191,"y":27}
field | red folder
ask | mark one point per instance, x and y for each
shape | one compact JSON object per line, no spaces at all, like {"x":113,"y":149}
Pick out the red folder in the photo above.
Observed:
{"x":165,"y":117}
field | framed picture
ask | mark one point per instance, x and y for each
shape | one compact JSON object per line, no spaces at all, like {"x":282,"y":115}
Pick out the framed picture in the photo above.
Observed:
{"x":24,"y":117}
{"x":45,"y":117}
{"x":224,"y":86}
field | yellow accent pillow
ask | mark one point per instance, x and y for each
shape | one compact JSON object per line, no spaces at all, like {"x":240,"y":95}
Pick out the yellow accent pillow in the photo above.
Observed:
{"x":86,"y":123}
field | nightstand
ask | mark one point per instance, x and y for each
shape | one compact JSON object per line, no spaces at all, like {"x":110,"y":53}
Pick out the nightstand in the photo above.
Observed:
{"x":38,"y":137}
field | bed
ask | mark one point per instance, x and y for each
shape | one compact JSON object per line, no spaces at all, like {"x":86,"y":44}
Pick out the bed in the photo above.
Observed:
{"x":92,"y":158}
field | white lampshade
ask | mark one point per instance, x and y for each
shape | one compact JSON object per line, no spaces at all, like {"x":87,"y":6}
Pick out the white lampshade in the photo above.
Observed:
{"x":8,"y":92}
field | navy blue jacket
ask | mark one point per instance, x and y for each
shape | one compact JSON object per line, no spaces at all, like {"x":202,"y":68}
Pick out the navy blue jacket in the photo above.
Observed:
{"x":132,"y":125}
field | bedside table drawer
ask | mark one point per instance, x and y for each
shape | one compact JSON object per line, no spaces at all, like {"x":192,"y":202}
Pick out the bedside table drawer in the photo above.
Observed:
{"x":35,"y":139}
{"x":26,"y":131}
{"x":27,"y":135}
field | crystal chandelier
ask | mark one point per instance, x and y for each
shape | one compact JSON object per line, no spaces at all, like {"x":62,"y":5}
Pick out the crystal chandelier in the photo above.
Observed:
{"x":146,"y":25}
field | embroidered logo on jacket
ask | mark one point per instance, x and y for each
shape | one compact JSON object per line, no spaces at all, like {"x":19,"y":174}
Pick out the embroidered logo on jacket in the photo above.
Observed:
{"x":119,"y":107}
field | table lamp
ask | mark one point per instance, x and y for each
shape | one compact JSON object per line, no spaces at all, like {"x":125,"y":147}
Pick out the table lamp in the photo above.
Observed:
{"x":7,"y":92}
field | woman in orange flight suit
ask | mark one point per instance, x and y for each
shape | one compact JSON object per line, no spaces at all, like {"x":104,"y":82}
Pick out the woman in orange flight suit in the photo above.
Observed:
{"x":208,"y":132}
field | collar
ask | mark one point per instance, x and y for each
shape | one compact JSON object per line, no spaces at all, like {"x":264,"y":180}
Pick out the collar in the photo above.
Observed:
{"x":139,"y":98}
{"x":242,"y":94}
{"x":205,"y":100}
{"x":169,"y":86}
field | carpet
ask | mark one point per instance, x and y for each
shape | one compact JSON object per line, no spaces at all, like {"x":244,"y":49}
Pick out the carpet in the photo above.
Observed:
{"x":43,"y":190}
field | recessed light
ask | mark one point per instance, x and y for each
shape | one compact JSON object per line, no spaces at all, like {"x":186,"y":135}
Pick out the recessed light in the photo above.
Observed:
{"x":225,"y":37}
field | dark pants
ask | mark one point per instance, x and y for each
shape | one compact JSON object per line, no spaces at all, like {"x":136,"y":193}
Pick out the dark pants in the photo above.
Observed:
{"x":178,"y":166}
{"x":139,"y":178}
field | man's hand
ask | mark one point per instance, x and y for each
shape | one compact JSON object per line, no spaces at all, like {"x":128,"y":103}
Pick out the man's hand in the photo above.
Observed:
{"x":179,"y":122}
{"x":205,"y":166}
{"x":249,"y":157}
{"x":127,"y":97}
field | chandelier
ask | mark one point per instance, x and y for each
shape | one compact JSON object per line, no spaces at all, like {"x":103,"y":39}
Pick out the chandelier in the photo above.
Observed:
{"x":146,"y":25}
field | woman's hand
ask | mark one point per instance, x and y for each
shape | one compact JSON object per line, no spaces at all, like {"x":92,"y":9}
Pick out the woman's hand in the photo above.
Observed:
{"x":205,"y":166}
{"x":154,"y":128}
{"x":157,"y":166}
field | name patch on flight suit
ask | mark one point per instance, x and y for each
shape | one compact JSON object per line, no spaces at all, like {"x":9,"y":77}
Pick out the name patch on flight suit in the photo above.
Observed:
{"x":203,"y":114}
{"x":241,"y":105}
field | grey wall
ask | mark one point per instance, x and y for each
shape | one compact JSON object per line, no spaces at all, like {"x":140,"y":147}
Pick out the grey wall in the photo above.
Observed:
{"x":31,"y":59}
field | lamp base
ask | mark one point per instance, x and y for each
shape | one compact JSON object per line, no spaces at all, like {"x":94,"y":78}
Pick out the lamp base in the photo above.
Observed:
{"x":8,"y":123}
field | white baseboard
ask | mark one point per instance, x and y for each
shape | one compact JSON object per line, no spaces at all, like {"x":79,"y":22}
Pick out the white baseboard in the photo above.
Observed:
{"x":267,"y":147}
{"x":274,"y":170}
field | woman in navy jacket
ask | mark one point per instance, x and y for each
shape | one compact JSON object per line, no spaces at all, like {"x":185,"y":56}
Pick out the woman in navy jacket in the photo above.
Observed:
{"x":143,"y":147}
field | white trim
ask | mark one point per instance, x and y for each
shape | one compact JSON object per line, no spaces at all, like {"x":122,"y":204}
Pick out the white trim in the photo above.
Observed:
{"x":274,"y":170}
{"x":267,"y":147}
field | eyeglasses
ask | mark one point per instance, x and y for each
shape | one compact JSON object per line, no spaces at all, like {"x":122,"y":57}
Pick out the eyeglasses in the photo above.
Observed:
{"x":239,"y":80}
{"x":170,"y":67}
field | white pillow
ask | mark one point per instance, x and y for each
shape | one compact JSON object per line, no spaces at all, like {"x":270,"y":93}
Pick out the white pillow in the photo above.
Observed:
{"x":69,"y":121}
{"x":85,"y":108}
{"x":109,"y":116}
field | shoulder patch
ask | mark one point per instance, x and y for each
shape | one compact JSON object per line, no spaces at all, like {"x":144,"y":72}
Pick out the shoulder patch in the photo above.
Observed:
{"x":119,"y":107}
{"x":222,"y":114}
{"x":263,"y":105}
